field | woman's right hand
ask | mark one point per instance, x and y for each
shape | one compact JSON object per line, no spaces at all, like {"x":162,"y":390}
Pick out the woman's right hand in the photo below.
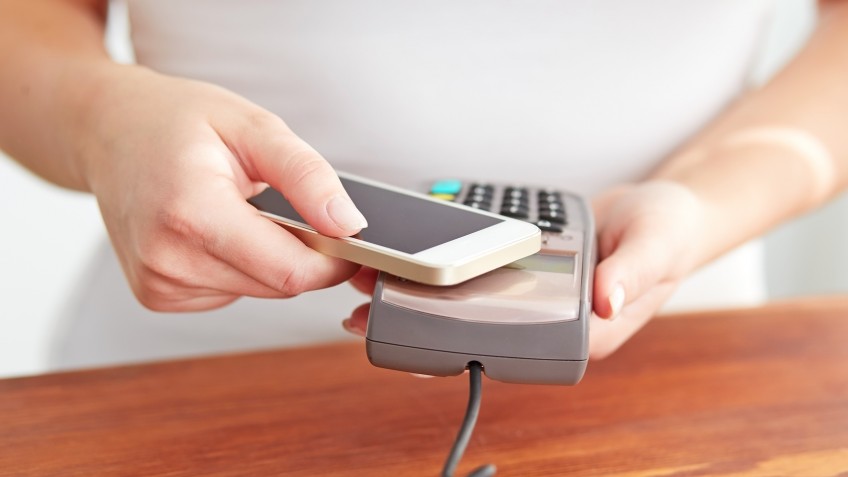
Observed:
{"x":172,"y":161}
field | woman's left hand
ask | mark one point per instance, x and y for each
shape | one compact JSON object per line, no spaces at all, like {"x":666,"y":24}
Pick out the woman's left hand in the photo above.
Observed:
{"x":650,"y":236}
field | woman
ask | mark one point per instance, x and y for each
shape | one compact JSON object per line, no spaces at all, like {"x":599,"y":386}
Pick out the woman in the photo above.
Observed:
{"x":642,"y":105}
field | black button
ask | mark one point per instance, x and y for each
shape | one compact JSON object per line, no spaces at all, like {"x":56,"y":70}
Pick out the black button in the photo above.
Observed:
{"x":553,"y":216}
{"x":479,"y":205}
{"x":513,"y":202}
{"x":550,"y":195}
{"x":478,"y":198}
{"x":547,"y":226}
{"x":516,"y":192}
{"x":515,"y":212}
{"x":486,"y":189}
{"x":515,"y":205}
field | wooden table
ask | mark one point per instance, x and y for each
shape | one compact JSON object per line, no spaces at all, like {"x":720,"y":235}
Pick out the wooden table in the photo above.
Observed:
{"x":761,"y":392}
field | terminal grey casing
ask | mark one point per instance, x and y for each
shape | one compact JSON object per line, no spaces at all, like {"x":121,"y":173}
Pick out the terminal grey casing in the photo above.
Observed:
{"x":555,"y":352}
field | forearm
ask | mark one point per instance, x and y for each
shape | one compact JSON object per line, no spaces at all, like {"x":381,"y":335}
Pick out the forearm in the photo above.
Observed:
{"x":51,"y":52}
{"x":779,"y":151}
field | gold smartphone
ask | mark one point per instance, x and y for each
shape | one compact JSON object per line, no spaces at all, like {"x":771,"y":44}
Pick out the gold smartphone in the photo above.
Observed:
{"x":412,"y":235}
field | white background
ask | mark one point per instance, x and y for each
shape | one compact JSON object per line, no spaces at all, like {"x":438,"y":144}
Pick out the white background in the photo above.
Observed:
{"x":47,"y":236}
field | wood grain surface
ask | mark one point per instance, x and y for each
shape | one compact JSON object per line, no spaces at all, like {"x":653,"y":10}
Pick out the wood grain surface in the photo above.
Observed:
{"x":761,"y":392}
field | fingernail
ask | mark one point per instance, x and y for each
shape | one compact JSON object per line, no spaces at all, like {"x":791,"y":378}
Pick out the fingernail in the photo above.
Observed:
{"x":347,"y":324}
{"x":616,"y":300}
{"x":346,"y":216}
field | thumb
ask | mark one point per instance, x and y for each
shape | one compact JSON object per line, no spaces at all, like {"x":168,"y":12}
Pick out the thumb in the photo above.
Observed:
{"x":651,"y":237}
{"x":291,"y":166}
{"x":630,"y":271}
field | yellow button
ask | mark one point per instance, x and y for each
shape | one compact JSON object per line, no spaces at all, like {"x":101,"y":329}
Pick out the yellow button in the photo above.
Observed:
{"x":443,"y":196}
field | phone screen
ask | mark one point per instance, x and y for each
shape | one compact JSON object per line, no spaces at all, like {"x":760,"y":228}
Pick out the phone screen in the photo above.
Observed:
{"x":397,"y":221}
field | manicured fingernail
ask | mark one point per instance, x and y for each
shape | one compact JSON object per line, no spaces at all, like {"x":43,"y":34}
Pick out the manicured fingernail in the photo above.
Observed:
{"x":347,"y":324}
{"x":616,"y":300}
{"x":346,"y":216}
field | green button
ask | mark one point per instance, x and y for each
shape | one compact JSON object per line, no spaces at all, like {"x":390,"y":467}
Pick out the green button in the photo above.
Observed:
{"x":450,"y":186}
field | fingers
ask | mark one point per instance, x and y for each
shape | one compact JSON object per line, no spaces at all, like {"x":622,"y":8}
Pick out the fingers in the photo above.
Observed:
{"x":272,"y":153}
{"x":358,"y":321}
{"x":651,"y":234}
{"x":364,"y":280}
{"x":202,"y":302}
{"x":633,"y":268}
{"x":270,"y":255}
{"x":358,"y":324}
{"x":606,"y":336}
{"x":199,"y":275}
{"x":211,"y":238}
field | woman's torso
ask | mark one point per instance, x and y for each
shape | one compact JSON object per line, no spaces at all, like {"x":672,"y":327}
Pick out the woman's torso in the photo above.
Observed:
{"x":572,"y":93}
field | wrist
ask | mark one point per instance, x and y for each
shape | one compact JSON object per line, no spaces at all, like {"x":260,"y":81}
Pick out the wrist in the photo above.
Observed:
{"x":750,"y":182}
{"x":698,"y":224}
{"x":90,"y":103}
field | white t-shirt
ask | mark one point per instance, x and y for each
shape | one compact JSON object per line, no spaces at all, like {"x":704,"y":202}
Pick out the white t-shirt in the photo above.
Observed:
{"x":581,"y":95}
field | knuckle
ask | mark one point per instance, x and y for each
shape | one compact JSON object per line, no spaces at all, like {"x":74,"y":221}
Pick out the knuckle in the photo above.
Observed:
{"x":155,"y":261}
{"x":292,"y":283}
{"x":156,"y":304}
{"x":162,"y":270}
{"x":154,"y":293}
{"x":189,"y":228}
{"x":306,"y":166}
{"x":265,"y":121}
{"x":180,"y":220}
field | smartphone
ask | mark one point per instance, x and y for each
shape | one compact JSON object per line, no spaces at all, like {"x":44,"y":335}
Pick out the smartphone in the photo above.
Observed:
{"x":526,"y":322}
{"x":413,"y":235}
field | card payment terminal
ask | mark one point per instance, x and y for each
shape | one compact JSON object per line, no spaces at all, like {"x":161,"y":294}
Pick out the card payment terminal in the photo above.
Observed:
{"x":526,"y":322}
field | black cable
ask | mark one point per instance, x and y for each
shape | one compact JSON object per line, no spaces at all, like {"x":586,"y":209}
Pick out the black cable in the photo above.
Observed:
{"x":475,"y":394}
